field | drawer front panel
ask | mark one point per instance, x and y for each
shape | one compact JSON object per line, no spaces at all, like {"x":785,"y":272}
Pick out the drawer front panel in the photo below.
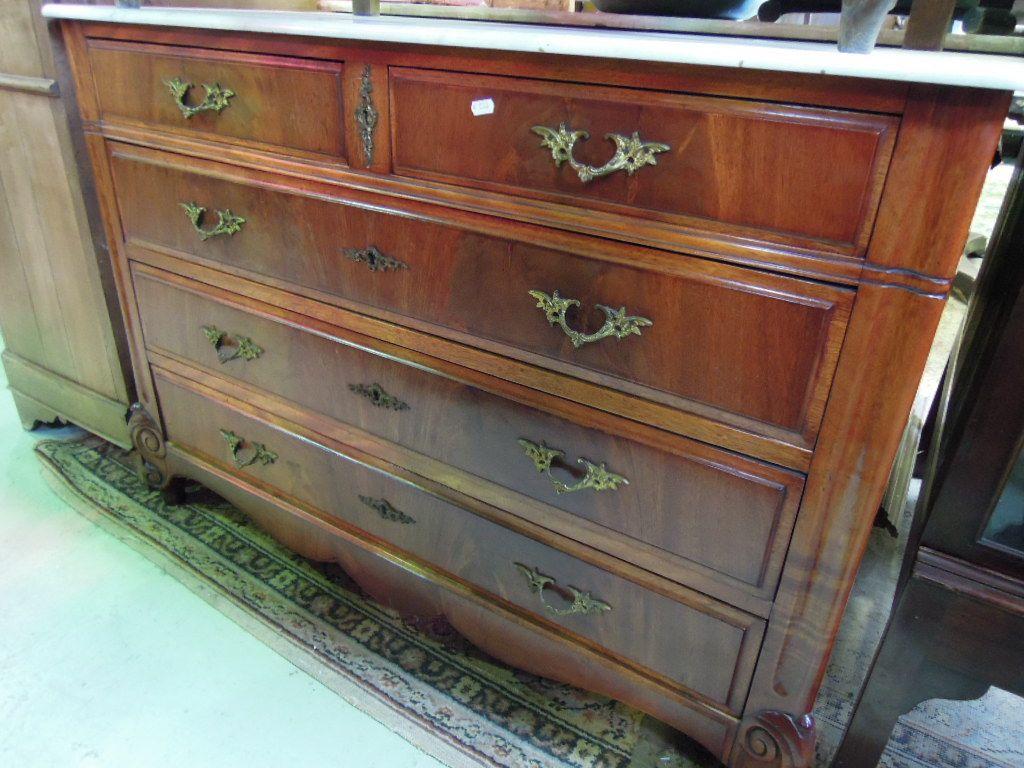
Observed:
{"x":733,"y":345}
{"x":739,"y":167}
{"x":698,"y":648}
{"x":723,"y":512}
{"x":277,"y":103}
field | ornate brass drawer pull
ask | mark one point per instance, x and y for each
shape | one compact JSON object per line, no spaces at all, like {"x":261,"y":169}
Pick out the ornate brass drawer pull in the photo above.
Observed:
{"x":387,"y":512}
{"x":373,"y":258}
{"x":227,"y":222}
{"x":377,"y":396}
{"x":596,"y":477}
{"x":255,"y":453}
{"x":215,"y":100}
{"x":617,"y":323}
{"x":242,"y":347}
{"x":631,"y":153}
{"x":582,"y":603}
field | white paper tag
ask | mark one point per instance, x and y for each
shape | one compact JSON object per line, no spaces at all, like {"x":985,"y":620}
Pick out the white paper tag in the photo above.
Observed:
{"x":482,"y":107}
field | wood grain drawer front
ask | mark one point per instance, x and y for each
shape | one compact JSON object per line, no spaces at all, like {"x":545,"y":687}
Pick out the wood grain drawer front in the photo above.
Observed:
{"x":810,"y":177}
{"x":277,"y":103}
{"x":732,"y":345}
{"x":730,"y":515}
{"x":707,"y":649}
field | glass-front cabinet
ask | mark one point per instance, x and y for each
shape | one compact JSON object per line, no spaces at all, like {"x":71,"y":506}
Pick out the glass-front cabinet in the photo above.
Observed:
{"x":977,"y":504}
{"x":1004,"y":530}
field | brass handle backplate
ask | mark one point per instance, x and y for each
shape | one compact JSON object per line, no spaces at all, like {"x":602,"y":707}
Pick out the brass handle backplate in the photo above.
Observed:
{"x":231,"y":347}
{"x":367,"y":115}
{"x":631,"y":152}
{"x":227,"y":222}
{"x":384,"y":508}
{"x":378,"y":397}
{"x":582,"y":603}
{"x":617,"y":323}
{"x":245,"y":453}
{"x":595,"y":478}
{"x":374,"y":260}
{"x":215,"y":100}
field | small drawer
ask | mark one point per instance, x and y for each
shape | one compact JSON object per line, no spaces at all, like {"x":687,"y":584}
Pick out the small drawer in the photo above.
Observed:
{"x":675,"y":507}
{"x":737,"y":346}
{"x":702,"y":646}
{"x":268,"y":102}
{"x":783,"y":173}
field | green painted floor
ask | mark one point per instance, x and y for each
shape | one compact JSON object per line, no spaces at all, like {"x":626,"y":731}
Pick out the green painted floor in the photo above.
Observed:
{"x":105,"y":660}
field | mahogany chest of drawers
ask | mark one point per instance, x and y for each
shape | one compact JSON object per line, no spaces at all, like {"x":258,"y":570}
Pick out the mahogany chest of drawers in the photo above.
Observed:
{"x":605,"y":362}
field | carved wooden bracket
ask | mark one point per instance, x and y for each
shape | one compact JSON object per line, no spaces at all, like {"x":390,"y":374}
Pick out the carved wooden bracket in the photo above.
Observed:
{"x":148,"y":439}
{"x":774,"y":740}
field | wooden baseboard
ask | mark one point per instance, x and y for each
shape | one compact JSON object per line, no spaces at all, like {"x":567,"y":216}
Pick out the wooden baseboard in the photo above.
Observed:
{"x":43,"y":396}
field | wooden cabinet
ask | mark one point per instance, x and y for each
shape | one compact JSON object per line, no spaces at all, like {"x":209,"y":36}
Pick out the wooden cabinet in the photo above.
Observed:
{"x":61,"y":343}
{"x":621,"y":409}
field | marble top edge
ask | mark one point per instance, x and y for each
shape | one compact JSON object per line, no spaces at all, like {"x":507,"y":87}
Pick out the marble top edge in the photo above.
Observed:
{"x":895,"y":64}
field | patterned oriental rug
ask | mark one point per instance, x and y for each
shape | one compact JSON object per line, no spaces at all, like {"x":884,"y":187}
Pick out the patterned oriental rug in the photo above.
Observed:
{"x":425,"y":682}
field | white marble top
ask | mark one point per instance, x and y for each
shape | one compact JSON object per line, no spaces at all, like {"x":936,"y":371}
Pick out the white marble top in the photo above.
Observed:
{"x":946,"y":68}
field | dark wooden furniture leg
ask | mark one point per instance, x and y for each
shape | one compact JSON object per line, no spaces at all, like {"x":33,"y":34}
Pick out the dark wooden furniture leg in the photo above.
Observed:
{"x":930,"y":641}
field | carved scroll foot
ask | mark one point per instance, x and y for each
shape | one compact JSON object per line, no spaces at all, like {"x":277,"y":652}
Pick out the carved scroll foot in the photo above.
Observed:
{"x":148,"y":441}
{"x":774,"y":740}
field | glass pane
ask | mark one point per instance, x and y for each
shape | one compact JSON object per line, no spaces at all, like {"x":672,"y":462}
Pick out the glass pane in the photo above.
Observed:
{"x":1006,"y":526}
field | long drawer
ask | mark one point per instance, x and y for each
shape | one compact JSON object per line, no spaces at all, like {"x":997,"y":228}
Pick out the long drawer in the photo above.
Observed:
{"x":701,"y":646}
{"x":743,"y":168}
{"x":279,"y":103}
{"x":737,"y":346}
{"x":686,"y":502}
